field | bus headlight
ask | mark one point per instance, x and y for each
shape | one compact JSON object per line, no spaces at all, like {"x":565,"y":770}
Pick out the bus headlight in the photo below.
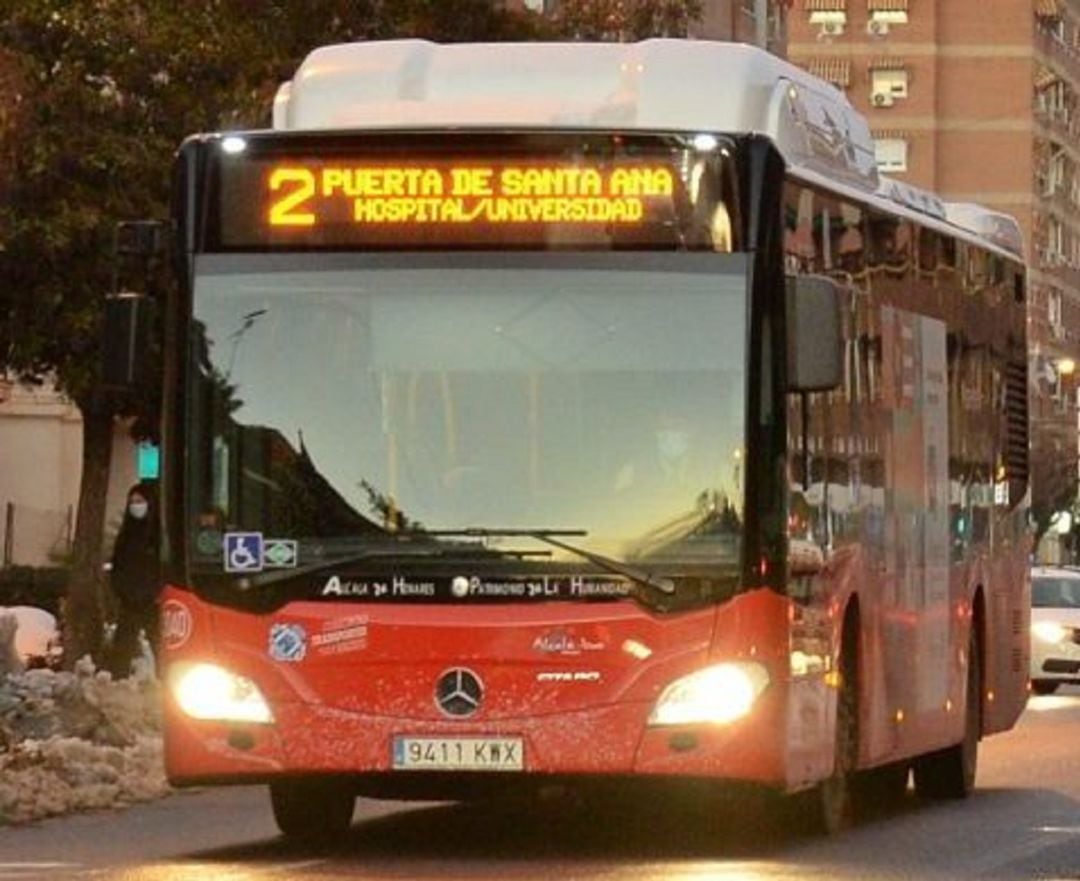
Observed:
{"x":206,"y":691}
{"x":1049,"y":631}
{"x":721,"y":693}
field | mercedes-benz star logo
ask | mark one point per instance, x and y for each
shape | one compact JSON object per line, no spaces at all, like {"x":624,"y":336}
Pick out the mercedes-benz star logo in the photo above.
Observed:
{"x":458,"y":692}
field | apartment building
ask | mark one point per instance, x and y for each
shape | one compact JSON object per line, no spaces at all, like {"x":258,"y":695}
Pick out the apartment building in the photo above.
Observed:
{"x":979,"y":101}
{"x":745,"y":21}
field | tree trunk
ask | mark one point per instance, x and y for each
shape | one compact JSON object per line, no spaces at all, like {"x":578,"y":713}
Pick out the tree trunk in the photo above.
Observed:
{"x":82,"y":614}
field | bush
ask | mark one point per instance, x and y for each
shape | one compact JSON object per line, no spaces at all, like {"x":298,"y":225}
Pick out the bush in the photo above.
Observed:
{"x":43,"y":587}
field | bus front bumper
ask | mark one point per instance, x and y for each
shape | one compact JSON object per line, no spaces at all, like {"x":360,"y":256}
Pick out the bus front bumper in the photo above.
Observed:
{"x":307,"y":739}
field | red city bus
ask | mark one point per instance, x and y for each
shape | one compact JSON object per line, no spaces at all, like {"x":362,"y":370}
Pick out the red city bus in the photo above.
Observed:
{"x":534,"y":417}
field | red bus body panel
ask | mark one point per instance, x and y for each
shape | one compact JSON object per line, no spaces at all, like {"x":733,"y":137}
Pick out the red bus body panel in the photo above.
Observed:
{"x":337,"y":710}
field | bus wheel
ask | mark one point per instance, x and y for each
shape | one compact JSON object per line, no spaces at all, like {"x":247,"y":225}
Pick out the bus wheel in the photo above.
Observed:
{"x":312,"y":811}
{"x":1043,"y":686}
{"x":950,"y":773}
{"x":835,"y":809}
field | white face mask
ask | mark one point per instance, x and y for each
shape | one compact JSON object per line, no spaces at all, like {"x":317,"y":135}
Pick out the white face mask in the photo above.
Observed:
{"x":138,"y":509}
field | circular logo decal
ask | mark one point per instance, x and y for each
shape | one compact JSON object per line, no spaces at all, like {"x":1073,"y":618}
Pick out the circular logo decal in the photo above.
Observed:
{"x":458,"y":692}
{"x":176,"y":624}
{"x":288,"y":642}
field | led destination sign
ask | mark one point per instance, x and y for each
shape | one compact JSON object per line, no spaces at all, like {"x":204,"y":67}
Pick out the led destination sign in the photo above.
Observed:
{"x":460,"y":201}
{"x":299,"y":195}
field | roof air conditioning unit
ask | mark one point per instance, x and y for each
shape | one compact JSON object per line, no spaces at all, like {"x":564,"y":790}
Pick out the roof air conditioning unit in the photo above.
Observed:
{"x":881,"y":99}
{"x":832,"y":28}
{"x":877,"y":28}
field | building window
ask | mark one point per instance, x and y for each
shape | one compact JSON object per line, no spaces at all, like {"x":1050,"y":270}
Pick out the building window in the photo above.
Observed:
{"x":833,"y":70}
{"x":1047,"y":8}
{"x":888,"y":84}
{"x":1056,"y":171}
{"x":1054,"y":98}
{"x":830,"y":16}
{"x":1053,"y":313}
{"x":883,"y":14}
{"x":891,"y":154}
{"x":1055,"y":241}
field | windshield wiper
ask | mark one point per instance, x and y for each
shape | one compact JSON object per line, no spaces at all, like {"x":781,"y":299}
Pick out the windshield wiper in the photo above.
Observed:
{"x":647,"y":579}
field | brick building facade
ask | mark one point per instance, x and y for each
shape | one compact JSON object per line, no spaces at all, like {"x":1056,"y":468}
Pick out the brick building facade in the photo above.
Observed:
{"x":979,"y":100}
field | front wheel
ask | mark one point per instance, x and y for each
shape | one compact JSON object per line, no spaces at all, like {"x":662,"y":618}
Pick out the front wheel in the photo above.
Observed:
{"x":950,"y":773}
{"x":312,"y":811}
{"x":835,"y":796}
{"x":1043,"y":686}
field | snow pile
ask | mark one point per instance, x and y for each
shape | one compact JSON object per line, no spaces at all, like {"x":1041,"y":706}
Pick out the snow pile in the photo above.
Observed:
{"x":29,"y":637}
{"x":71,"y":741}
{"x":37,"y":638}
{"x":43,"y":778}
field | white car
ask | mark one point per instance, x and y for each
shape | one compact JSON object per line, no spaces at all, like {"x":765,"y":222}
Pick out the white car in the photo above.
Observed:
{"x":1055,"y":628}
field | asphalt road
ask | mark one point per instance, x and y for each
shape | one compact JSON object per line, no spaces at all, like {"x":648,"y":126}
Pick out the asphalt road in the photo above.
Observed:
{"x":1023,"y":823}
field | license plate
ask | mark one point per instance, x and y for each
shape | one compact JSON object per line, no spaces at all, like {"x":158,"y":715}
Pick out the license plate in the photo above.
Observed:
{"x":459,"y":753}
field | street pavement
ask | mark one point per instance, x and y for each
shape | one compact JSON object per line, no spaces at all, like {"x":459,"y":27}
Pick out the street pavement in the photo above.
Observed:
{"x":1023,"y":823}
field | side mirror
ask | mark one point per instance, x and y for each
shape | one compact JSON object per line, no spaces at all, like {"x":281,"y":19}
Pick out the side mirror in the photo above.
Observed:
{"x":126,"y":347}
{"x":814,"y":344}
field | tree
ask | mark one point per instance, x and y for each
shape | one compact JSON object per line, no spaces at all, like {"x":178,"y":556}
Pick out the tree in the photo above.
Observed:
{"x":106,"y":90}
{"x":1053,"y":472}
{"x":625,"y":20}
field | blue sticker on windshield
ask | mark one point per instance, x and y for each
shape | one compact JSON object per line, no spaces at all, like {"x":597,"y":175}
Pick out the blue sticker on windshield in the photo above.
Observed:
{"x":288,"y":642}
{"x":243,"y":552}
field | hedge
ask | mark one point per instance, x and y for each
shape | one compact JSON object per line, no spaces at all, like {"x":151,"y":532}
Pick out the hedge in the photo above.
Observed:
{"x":33,"y":586}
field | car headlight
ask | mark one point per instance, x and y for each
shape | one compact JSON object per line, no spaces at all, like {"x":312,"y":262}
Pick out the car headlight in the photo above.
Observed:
{"x":1049,"y":631}
{"x":721,"y":693}
{"x":207,"y":691}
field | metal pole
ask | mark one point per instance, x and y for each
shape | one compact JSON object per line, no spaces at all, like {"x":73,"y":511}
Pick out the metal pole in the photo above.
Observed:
{"x":761,"y":23}
{"x":9,"y":533}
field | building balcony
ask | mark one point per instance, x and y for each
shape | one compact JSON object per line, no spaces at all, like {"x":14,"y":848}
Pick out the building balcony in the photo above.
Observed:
{"x":1056,"y":203}
{"x":1058,"y":53}
{"x":1058,"y":269}
{"x":1059,"y":126}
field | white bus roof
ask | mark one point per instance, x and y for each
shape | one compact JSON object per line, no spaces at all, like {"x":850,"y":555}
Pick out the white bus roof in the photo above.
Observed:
{"x":655,"y":85}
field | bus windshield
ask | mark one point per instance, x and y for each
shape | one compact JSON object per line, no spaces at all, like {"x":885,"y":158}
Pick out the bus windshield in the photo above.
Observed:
{"x":341,"y":399}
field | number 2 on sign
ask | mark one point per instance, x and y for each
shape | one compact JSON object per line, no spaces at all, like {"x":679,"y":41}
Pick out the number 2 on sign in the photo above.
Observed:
{"x":299,"y":184}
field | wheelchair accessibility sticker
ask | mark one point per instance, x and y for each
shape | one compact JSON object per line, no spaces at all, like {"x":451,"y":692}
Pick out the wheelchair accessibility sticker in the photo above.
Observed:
{"x":243,"y":552}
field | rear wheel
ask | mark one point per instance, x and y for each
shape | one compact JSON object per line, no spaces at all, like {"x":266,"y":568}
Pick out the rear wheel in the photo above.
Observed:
{"x":1042,"y":686}
{"x":313,"y":811}
{"x":950,"y":773}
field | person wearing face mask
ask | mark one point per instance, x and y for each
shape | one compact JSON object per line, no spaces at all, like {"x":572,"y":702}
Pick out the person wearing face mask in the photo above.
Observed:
{"x":135,"y":578}
{"x":667,"y":466}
